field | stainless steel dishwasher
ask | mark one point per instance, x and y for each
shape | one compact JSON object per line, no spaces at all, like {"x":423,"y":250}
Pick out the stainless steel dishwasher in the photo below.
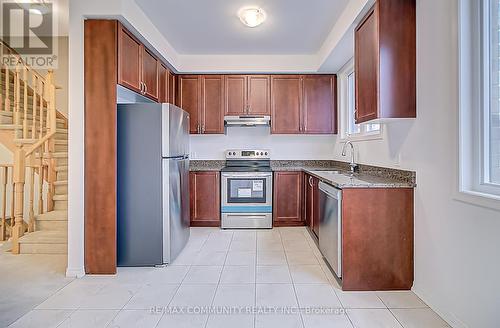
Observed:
{"x":330,"y":226}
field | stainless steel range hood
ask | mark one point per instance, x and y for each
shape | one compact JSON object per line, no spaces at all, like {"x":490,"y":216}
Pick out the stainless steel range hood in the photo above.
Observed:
{"x":247,"y":121}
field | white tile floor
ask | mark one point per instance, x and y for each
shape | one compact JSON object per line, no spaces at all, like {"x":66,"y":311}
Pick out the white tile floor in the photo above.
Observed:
{"x":230,"y":269}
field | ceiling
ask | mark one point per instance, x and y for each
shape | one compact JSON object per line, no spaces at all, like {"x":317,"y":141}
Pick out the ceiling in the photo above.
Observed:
{"x":211,"y":27}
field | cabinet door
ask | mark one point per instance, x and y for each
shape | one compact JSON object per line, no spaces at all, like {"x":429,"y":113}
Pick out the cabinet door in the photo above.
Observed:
{"x":287,"y":205}
{"x":189,"y":100}
{"x":315,"y":206}
{"x":204,"y":199}
{"x":259,"y":98}
{"x":308,"y":200}
{"x":319,"y":106}
{"x":235,"y":94}
{"x":129,"y":60}
{"x":212,"y":104}
{"x":286,"y":99}
{"x":150,"y":74}
{"x":366,"y":69}
{"x":162,"y":84}
{"x":170,"y":87}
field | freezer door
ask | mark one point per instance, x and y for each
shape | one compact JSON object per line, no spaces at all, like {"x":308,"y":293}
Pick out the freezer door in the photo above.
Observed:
{"x":175,"y":131}
{"x":175,"y":207}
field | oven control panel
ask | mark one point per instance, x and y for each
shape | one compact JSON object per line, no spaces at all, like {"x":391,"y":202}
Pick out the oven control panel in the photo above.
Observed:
{"x":248,"y":154}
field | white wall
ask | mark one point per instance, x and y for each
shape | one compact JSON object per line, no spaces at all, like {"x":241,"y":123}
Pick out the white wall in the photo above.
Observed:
{"x":281,"y":146}
{"x":457,"y":245}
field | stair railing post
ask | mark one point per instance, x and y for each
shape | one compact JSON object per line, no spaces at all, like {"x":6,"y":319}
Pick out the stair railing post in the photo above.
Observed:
{"x":33,"y":112}
{"x":7,"y":88}
{"x":25,"y":102}
{"x":3,"y":231}
{"x":31,"y":222}
{"x":17,"y":99}
{"x":19,"y":179}
{"x":41,"y":175}
{"x":2,"y":50}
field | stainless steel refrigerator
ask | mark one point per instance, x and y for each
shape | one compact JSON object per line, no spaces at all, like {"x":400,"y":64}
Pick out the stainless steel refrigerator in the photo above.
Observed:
{"x":152,"y":183}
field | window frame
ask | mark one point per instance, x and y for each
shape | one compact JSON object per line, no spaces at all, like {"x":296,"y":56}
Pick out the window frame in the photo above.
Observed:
{"x":344,"y":112}
{"x":473,"y":127}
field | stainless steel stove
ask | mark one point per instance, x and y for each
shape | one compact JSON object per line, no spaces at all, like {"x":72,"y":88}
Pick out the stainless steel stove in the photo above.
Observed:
{"x":247,"y":190}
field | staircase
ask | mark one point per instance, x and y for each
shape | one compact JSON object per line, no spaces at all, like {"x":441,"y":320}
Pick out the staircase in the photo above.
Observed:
{"x":36,"y":216}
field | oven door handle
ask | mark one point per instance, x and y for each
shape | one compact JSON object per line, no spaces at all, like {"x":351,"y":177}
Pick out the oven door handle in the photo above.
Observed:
{"x":247,"y":175}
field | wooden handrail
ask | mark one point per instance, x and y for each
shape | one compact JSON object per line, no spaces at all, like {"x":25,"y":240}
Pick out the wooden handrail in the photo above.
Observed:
{"x":43,"y":127}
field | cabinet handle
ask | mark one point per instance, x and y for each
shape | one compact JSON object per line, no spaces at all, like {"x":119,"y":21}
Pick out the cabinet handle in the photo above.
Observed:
{"x":203,"y":128}
{"x":141,"y":87}
{"x":145,"y":88}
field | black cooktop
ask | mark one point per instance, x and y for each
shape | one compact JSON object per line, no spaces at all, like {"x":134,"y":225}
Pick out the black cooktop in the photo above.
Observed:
{"x":247,"y":166}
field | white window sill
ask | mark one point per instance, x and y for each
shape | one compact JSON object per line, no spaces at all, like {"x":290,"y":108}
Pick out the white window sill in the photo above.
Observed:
{"x":363,"y":137}
{"x":478,"y":198}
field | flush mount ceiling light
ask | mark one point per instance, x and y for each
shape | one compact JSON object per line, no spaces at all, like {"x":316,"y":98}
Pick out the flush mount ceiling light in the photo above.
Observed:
{"x":252,"y":17}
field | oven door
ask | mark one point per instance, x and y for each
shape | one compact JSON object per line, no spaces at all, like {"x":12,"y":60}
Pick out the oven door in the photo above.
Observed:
{"x":246,"y":189}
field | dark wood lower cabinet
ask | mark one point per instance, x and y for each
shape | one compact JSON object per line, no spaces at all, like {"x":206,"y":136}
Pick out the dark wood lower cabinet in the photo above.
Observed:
{"x":288,"y":202}
{"x":377,"y":239}
{"x":311,"y":203}
{"x":204,"y":197}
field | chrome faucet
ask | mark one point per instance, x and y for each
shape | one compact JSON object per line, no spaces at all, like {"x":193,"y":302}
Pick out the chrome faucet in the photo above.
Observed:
{"x":354,"y":166}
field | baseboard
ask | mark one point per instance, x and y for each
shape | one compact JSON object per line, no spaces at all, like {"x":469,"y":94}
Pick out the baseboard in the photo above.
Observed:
{"x":450,"y":318}
{"x":75,"y":272}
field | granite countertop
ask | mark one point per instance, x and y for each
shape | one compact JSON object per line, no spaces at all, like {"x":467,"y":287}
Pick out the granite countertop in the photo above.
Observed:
{"x":344,"y":179}
{"x":368,"y":176}
{"x":206,"y":165}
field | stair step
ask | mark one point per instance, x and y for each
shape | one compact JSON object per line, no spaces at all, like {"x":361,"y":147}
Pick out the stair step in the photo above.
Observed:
{"x":61,"y":183}
{"x":62,"y":168}
{"x":61,"y":205}
{"x":61,"y":225}
{"x":60,"y":154}
{"x":60,"y":197}
{"x":53,"y":216}
{"x":45,"y":237}
{"x":44,"y":242}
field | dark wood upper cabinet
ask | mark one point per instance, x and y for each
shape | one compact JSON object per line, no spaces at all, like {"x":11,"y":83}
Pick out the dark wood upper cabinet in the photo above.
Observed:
{"x":235,"y":94}
{"x":385,"y":62}
{"x":171,"y":79}
{"x":286,"y":104}
{"x":189,"y":99}
{"x":247,"y":94}
{"x":150,"y":74}
{"x":162,"y":84}
{"x":303,"y":104}
{"x":319,"y":110}
{"x":129,"y":60}
{"x":259,"y":99}
{"x":287,"y":203}
{"x":202,"y":96}
{"x":204,"y":198}
{"x":212,"y":104}
{"x":138,"y":68}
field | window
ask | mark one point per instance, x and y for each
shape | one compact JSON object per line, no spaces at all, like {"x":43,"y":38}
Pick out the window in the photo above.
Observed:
{"x":480,"y":97}
{"x":349,"y":129}
{"x":491,"y":122}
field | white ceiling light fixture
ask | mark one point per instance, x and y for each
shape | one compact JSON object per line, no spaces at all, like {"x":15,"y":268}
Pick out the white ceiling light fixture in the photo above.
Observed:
{"x":252,"y":16}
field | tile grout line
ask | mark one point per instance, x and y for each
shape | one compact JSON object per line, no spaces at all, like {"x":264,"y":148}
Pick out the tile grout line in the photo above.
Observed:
{"x":180,"y":284}
{"x":293,"y":286}
{"x":220,"y":276}
{"x":255,"y":282}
